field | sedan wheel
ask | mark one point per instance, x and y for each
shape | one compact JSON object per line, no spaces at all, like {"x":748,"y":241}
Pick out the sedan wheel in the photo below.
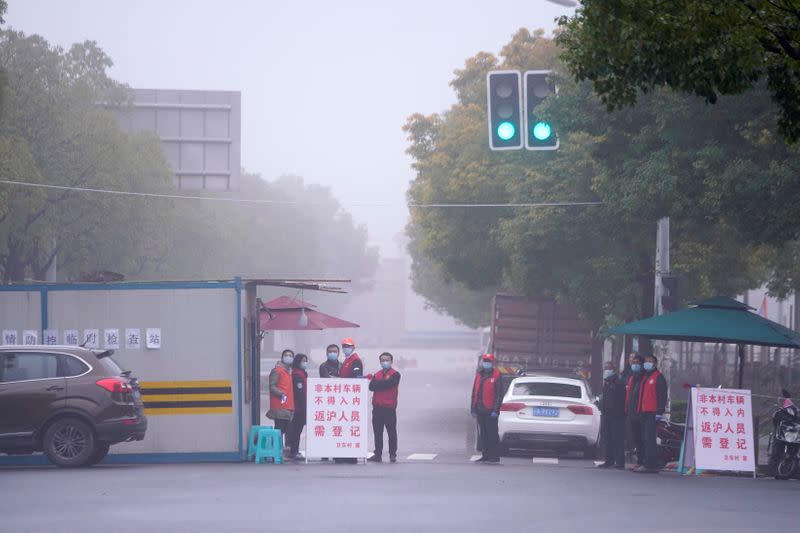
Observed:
{"x":69,"y":443}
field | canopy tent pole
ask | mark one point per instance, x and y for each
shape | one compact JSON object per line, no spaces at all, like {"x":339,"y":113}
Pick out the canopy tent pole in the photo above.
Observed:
{"x":741,"y":365}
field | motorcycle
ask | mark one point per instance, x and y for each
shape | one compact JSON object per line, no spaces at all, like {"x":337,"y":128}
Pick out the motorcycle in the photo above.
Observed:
{"x":669,"y":439}
{"x":784,"y":441}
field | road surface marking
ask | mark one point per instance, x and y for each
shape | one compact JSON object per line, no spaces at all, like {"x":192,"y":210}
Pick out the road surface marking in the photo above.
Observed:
{"x":475,"y":457}
{"x":422,"y":456}
{"x":545,"y":460}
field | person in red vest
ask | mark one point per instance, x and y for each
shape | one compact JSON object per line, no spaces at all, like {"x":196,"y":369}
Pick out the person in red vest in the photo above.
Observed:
{"x":299,"y":385}
{"x":485,"y":406}
{"x":352,"y":367}
{"x":281,"y":393}
{"x":384,"y":385}
{"x":651,"y":404}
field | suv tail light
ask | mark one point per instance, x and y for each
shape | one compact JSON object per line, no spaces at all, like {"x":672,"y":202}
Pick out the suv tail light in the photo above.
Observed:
{"x":512,"y":407}
{"x":115,"y":385}
{"x":580,"y":409}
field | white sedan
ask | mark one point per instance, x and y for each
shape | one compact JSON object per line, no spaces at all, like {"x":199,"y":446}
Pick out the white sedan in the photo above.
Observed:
{"x":549,"y":412}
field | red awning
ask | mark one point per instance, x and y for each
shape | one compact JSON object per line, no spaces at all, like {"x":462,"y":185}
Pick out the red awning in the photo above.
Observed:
{"x":284,"y":313}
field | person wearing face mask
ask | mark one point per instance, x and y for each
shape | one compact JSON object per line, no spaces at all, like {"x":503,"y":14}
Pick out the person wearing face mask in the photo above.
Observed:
{"x":631,"y":401}
{"x":651,"y":403}
{"x":612,"y":422}
{"x":299,"y":383}
{"x":384,"y":386}
{"x":281,"y":392}
{"x":485,"y":406}
{"x":331,"y":367}
{"x":352,"y":367}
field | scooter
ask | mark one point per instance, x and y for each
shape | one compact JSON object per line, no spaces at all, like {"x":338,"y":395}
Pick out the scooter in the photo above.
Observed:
{"x":784,"y":441}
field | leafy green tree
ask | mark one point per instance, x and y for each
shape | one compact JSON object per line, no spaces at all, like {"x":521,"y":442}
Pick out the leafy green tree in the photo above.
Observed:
{"x":625,"y":47}
{"x":52,"y":131}
{"x":642,"y":163}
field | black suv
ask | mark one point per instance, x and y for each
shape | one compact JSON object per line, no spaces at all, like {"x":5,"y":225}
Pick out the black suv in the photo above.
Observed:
{"x":71,"y":403}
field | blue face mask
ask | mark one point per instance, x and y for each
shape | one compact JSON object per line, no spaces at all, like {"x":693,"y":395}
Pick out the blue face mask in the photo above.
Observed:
{"x":648,"y":367}
{"x":607,"y":374}
{"x":288,"y":360}
{"x":636,"y":367}
{"x":333,"y":356}
{"x":386,"y":365}
{"x":304,"y":365}
{"x":486,"y":365}
{"x":347,"y":351}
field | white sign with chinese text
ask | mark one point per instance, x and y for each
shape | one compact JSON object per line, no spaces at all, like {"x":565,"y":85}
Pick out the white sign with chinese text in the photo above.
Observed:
{"x":153,"y":338}
{"x":111,"y":339}
{"x":50,"y":337}
{"x":337,"y":418}
{"x":30,"y":337}
{"x":133,"y":338}
{"x":91,"y":338}
{"x":9,"y":337}
{"x":722,"y":421}
{"x":71,"y":337}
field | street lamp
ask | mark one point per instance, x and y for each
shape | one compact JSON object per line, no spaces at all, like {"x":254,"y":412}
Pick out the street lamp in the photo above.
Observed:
{"x":565,"y":3}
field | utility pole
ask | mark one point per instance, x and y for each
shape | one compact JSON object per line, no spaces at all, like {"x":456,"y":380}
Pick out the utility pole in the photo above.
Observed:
{"x":662,"y":268}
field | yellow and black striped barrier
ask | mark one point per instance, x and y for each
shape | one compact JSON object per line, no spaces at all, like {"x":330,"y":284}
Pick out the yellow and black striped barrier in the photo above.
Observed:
{"x":187,"y":397}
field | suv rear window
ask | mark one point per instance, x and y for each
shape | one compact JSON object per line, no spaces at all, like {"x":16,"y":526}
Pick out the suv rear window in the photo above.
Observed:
{"x":109,"y":366}
{"x":547,"y":389}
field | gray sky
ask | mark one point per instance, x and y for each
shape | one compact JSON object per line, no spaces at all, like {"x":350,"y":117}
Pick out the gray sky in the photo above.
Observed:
{"x":326,"y":86}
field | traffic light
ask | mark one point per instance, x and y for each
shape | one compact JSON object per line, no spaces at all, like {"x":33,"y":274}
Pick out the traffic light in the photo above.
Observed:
{"x":671,"y":292}
{"x":504,"y":92}
{"x":540,"y":134}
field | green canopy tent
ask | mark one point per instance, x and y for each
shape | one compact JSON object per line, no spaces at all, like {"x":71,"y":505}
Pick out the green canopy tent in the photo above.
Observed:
{"x":717,"y":319}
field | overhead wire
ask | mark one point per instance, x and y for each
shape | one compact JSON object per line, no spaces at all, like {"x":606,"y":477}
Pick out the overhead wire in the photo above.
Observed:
{"x":287,"y":202}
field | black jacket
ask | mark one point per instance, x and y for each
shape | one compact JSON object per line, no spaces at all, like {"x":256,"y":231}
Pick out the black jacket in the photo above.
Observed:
{"x":330,"y":369}
{"x":299,"y":394}
{"x":612,"y":402}
{"x":633,"y":396}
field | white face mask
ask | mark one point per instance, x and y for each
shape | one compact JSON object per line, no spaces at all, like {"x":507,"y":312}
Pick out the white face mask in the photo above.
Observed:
{"x":288,"y":359}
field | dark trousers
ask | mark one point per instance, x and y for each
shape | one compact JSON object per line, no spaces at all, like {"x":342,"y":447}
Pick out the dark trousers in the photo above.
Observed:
{"x":613,"y":437}
{"x":385,"y":417}
{"x":489,"y":435}
{"x":295,"y":430}
{"x":636,"y":438}
{"x":649,"y":439}
{"x":283,"y":425}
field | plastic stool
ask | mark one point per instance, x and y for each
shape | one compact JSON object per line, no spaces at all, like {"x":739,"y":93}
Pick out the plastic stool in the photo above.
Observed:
{"x":269,"y":446}
{"x":253,"y":441}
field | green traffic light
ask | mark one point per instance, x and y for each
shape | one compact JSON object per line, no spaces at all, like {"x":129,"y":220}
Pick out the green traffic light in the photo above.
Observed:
{"x":506,"y":130}
{"x":542,"y":131}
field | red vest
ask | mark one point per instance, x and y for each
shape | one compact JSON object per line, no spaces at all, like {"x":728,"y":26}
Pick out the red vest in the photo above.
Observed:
{"x":628,"y":387}
{"x":489,"y":387}
{"x":285,"y":384}
{"x":347,"y":366}
{"x":385,"y":398}
{"x":648,"y":393}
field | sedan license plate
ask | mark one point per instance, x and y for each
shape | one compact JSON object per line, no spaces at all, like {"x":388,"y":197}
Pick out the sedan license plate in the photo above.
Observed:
{"x":552,"y":412}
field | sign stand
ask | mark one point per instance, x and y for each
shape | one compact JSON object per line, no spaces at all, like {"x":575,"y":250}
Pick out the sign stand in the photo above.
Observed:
{"x":337,"y":418}
{"x":719,"y":432}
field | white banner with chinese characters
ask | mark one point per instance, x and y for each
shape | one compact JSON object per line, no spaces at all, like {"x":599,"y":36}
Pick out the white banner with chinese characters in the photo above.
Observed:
{"x":722,"y":423}
{"x":337,"y":418}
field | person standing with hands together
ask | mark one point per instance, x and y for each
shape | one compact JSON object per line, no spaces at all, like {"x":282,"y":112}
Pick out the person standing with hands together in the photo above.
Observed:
{"x":281,"y":393}
{"x":486,"y":400}
{"x":384,"y":385}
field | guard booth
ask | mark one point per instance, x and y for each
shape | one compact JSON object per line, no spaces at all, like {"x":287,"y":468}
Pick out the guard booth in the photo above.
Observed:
{"x":193,"y":345}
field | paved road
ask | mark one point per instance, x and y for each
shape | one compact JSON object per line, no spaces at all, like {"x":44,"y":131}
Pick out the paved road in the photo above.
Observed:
{"x":408,"y":496}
